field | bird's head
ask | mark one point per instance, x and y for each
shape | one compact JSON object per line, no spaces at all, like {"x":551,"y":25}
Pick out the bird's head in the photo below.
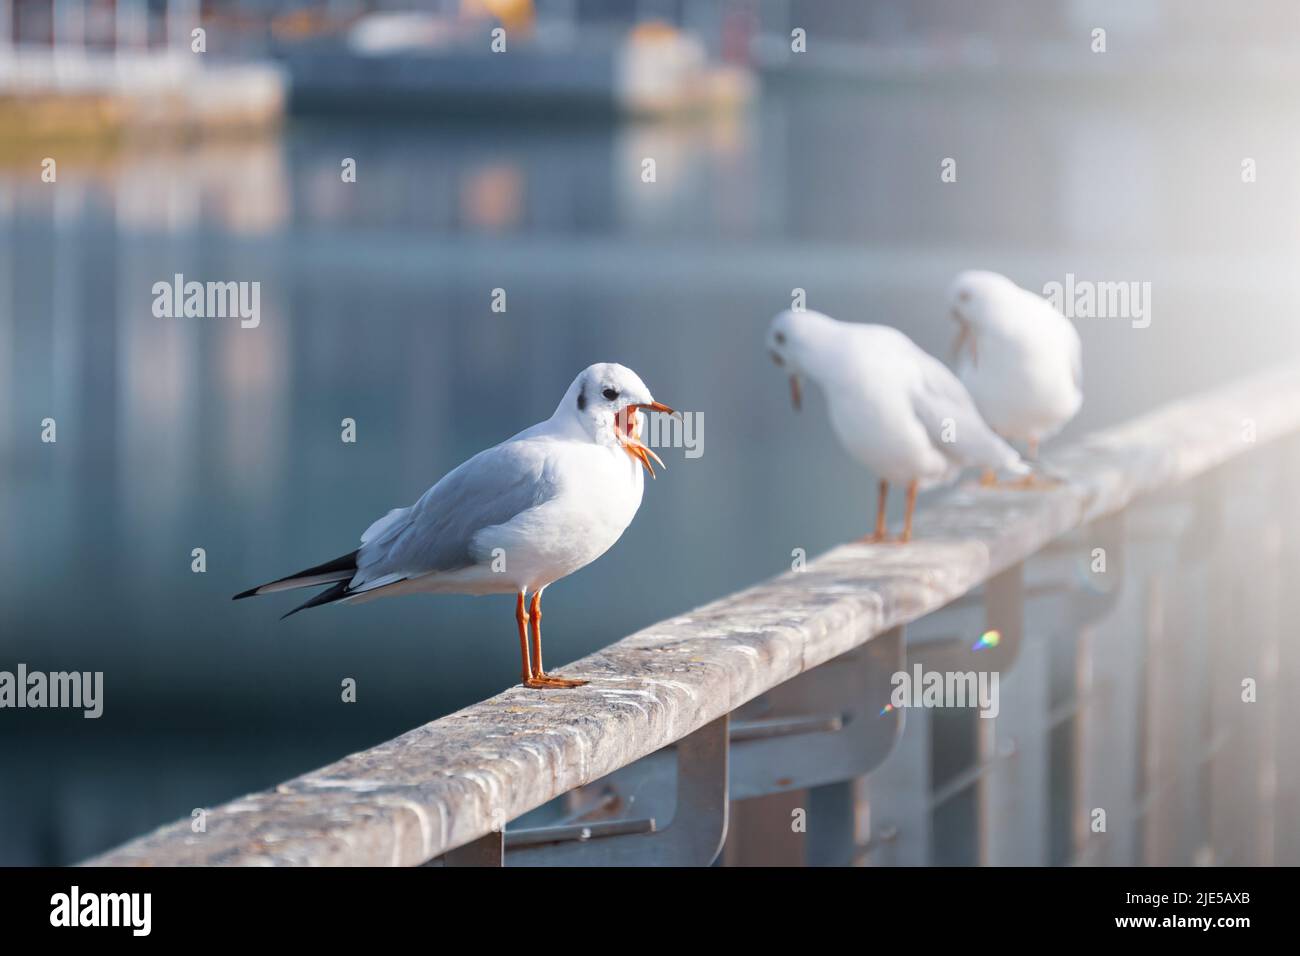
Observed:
{"x":971,"y":301}
{"x":791,"y":338}
{"x":607,"y":400}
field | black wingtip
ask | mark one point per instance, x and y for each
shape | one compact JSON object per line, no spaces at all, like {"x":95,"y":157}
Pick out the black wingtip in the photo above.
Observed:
{"x":335,"y":592}
{"x":347,"y":562}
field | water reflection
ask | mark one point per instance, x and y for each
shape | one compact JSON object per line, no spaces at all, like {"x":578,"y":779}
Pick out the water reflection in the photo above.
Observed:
{"x":176,"y":434}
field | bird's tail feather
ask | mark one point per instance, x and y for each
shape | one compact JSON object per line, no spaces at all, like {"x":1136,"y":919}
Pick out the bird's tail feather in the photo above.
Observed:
{"x":1027,"y":467}
{"x":1020,"y":466}
{"x":340,"y":569}
{"x":1035,"y":466}
{"x":1000,"y":454}
{"x":331,"y":594}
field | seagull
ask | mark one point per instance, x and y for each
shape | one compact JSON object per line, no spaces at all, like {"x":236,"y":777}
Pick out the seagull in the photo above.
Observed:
{"x":515,"y":517}
{"x":1020,"y":358}
{"x":896,"y":409}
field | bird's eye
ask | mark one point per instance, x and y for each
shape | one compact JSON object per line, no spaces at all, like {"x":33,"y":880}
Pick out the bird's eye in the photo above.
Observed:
{"x":964,"y":295}
{"x":610,"y":393}
{"x":780,"y":338}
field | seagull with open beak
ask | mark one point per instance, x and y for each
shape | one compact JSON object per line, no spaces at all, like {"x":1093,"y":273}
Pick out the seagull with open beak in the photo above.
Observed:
{"x":896,"y":409}
{"x":514,"y":518}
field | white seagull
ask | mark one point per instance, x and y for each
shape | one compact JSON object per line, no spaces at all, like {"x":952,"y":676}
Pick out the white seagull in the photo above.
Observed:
{"x":895,"y":408}
{"x":1020,"y":358}
{"x":514,"y":518}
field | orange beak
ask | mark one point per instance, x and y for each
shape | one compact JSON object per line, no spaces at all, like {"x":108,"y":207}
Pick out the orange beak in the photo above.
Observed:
{"x":657,"y":407}
{"x":964,"y":336}
{"x":628,"y":434}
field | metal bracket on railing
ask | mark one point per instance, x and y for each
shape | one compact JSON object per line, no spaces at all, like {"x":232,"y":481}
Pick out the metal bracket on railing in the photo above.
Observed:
{"x":901,"y":798}
{"x":694,"y":836}
{"x":1084,"y":568}
{"x":1099,"y":550}
{"x":827,"y":725}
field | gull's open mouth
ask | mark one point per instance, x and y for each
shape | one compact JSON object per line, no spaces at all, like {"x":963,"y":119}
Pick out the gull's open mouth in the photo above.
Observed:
{"x":628,"y":433}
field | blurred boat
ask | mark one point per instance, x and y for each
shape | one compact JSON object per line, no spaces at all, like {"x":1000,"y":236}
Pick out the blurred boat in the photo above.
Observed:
{"x":417,"y":62}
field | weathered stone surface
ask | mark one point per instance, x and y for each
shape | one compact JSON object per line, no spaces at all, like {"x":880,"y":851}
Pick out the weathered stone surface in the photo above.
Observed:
{"x":450,"y":781}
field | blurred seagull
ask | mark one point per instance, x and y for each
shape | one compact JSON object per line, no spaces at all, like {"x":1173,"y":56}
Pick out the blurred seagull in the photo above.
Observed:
{"x":896,"y":409}
{"x":514,"y":518}
{"x":1020,"y":359}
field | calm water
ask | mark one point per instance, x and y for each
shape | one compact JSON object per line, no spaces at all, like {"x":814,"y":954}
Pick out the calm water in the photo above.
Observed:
{"x":375,"y":305}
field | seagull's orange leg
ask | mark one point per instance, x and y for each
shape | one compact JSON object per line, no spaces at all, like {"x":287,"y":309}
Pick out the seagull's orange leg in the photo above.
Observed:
{"x":540,"y":678}
{"x":521,"y":617}
{"x":880,"y":533}
{"x":912,"y":487}
{"x":535,"y":616}
{"x":989,"y":478}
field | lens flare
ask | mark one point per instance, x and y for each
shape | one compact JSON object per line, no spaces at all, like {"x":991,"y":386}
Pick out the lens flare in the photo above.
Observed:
{"x":987,"y":639}
{"x":888,"y":708}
